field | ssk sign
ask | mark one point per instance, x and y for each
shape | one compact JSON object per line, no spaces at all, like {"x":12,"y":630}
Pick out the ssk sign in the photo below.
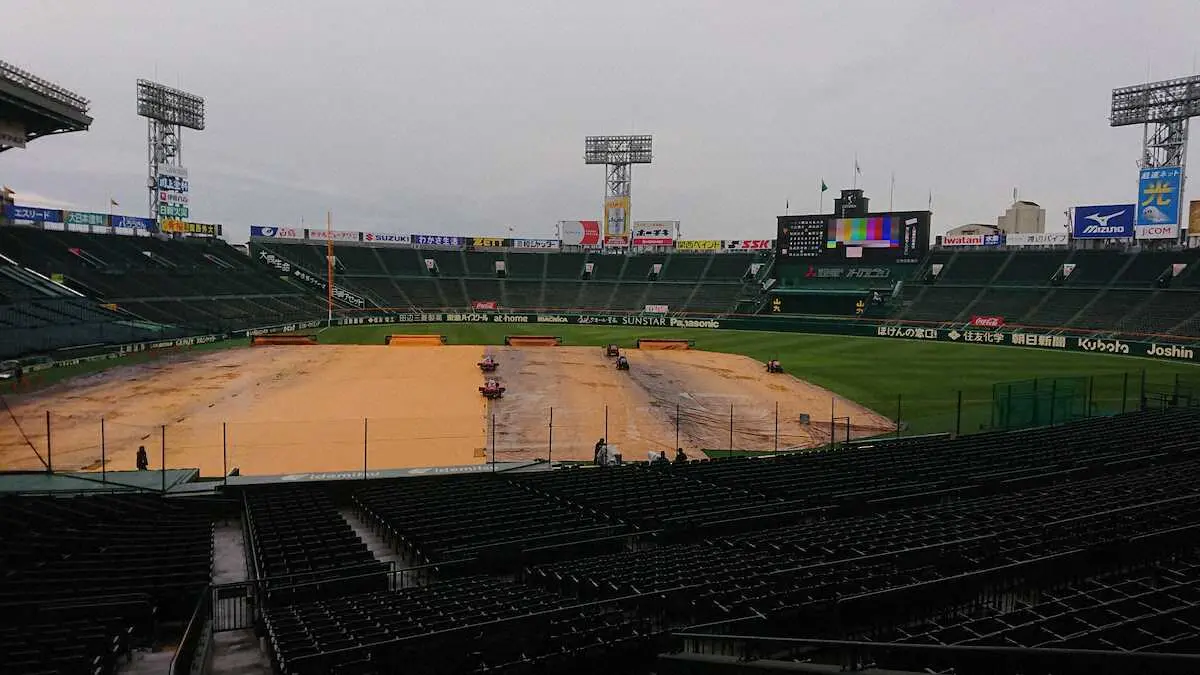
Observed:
{"x":988,"y":321}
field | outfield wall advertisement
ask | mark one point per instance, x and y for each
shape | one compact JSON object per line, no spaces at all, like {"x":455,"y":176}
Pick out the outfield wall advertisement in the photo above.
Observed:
{"x":1004,"y":336}
{"x":823,"y":326}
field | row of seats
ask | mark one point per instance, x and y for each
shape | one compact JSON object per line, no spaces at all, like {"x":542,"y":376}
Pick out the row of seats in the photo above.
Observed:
{"x":438,"y":520}
{"x":356,"y":261}
{"x":85,"y":579}
{"x":300,"y":537}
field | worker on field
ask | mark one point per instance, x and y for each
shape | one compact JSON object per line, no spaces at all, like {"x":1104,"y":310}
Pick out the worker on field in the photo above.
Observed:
{"x":143,"y":461}
{"x":680,"y":456}
{"x":600,"y":453}
{"x":661,"y":460}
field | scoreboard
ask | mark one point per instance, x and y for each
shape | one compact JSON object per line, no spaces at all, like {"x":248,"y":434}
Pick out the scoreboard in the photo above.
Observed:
{"x":898,"y":237}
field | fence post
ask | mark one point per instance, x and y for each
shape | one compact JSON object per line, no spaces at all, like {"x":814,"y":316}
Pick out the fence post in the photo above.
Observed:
{"x":494,"y":436}
{"x":49,"y":447}
{"x":958,"y":416}
{"x":899,"y":410}
{"x":606,"y":438}
{"x":364,"y":448}
{"x":677,"y":424}
{"x":103,"y":455}
{"x":1175,"y":393}
{"x":1124,"y":389}
{"x":224,"y":454}
{"x":1053,"y":397}
{"x":776,"y":450}
{"x":832,"y":423}
{"x":731,"y":429}
{"x":550,"y":446}
{"x":1142,"y":397}
{"x":162,"y":472}
{"x":1091,"y":394}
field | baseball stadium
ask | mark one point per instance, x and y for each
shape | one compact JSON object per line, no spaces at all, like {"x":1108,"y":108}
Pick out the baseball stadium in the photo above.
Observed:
{"x":850,"y":445}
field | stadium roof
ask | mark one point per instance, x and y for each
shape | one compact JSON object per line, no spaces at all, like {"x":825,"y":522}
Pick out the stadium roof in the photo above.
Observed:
{"x":37,"y":107}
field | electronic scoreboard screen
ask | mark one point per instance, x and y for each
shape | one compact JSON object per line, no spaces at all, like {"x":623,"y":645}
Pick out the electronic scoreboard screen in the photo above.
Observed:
{"x":874,"y":238}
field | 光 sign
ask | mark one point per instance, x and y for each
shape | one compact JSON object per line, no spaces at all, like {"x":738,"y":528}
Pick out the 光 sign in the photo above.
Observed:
{"x":1114,"y":221}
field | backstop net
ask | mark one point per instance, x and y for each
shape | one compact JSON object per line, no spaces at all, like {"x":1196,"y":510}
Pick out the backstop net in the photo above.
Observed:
{"x":1040,"y":401}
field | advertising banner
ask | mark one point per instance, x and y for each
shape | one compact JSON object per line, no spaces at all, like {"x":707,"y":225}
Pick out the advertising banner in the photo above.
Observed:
{"x":270,"y":231}
{"x":748,"y":244}
{"x":616,"y":221}
{"x":1156,"y":231}
{"x":84,"y":218}
{"x":132,"y":223}
{"x":698,"y":245}
{"x":173,"y":178}
{"x":437,"y":240}
{"x":487,"y":242}
{"x":489,"y":305}
{"x":1038,"y":239}
{"x":335,"y":235}
{"x":1108,"y":221}
{"x":387,"y":238}
{"x":655,"y":233}
{"x":1158,"y":196}
{"x":579,"y":232}
{"x":183,"y":227}
{"x":172,"y":211}
{"x":963,"y":240}
{"x":1194,"y":217}
{"x":172,"y":198}
{"x":34,"y":213}
{"x":543,"y":244}
{"x":657,"y":309}
{"x":988,"y":321}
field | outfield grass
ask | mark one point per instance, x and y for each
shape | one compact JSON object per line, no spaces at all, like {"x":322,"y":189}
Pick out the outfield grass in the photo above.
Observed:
{"x":923,"y":379}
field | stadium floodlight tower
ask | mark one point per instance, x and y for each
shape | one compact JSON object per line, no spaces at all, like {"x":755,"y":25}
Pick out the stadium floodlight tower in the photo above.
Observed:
{"x":167,"y":111}
{"x":1163,"y":109}
{"x":618,"y":154}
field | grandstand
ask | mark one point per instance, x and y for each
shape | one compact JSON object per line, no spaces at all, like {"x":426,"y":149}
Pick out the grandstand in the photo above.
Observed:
{"x":1106,"y":290}
{"x":148,"y":286}
{"x":1014,"y":550}
{"x":400,"y":279}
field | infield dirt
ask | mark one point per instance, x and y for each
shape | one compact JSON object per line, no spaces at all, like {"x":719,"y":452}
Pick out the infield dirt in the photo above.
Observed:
{"x":301,"y":409}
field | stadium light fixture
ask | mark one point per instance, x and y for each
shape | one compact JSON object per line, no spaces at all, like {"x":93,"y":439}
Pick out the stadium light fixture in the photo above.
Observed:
{"x":169,"y":105}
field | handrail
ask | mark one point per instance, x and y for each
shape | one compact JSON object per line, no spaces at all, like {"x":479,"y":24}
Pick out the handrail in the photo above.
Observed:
{"x":192,"y":634}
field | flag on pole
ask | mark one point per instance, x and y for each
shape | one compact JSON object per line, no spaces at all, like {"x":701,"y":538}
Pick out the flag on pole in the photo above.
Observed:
{"x":824,"y":187}
{"x":112,"y":202}
{"x":857,"y":169}
{"x":4,"y":189}
{"x":931,"y":200}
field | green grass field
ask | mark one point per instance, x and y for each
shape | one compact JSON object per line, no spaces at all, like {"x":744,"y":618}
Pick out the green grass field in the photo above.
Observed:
{"x":923,"y":379}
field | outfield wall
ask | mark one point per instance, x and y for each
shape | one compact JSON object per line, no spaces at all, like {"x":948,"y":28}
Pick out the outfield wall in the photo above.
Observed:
{"x":1004,"y":337}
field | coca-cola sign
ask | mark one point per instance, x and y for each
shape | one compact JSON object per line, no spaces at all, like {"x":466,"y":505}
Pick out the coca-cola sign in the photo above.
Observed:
{"x":988,"y":321}
{"x":483,"y":304}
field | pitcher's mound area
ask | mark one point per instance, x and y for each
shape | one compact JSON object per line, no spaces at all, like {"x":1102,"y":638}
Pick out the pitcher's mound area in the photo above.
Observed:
{"x":636,"y":410}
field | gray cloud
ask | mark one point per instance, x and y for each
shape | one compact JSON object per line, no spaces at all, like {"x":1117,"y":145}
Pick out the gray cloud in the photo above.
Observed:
{"x":468,"y":116}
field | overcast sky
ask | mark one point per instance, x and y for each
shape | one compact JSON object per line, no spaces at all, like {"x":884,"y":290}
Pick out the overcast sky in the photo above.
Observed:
{"x":467,"y":117}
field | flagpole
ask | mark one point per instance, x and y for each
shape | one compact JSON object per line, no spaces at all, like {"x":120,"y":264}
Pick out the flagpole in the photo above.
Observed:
{"x":329,"y":266}
{"x":892,"y":194}
{"x":855,"y":184}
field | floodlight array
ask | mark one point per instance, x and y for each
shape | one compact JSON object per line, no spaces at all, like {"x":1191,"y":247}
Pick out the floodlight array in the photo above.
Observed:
{"x":170,"y":105}
{"x":48,"y":89}
{"x":1156,"y":102}
{"x":618,"y":149}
